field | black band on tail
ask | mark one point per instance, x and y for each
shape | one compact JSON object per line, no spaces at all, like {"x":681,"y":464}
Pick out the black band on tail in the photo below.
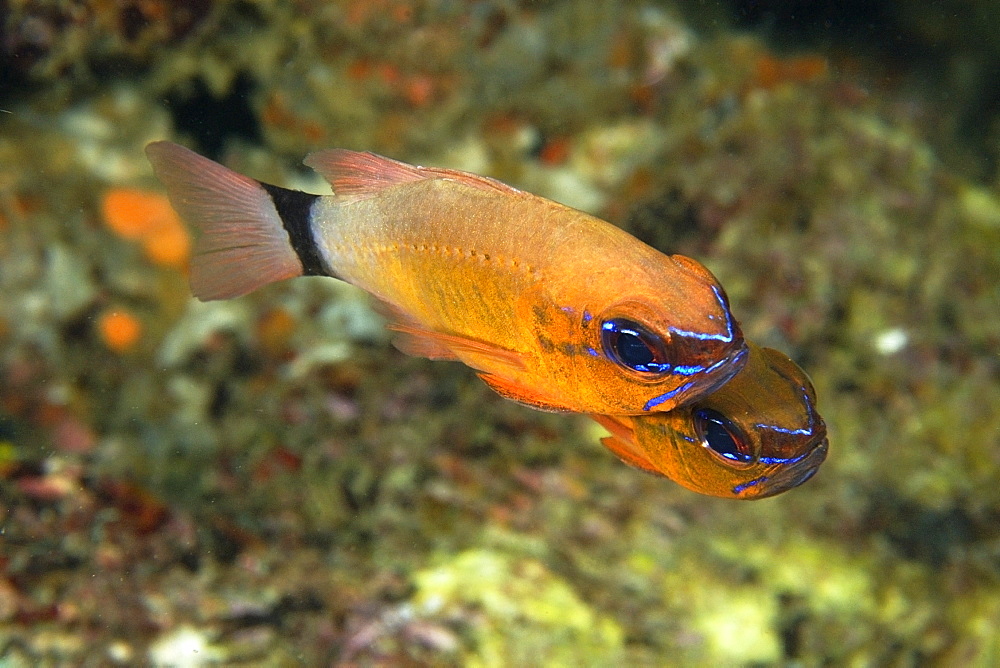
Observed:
{"x":294,"y":209}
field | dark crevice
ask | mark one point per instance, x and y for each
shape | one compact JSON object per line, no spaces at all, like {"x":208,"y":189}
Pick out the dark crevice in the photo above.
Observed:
{"x":212,"y":121}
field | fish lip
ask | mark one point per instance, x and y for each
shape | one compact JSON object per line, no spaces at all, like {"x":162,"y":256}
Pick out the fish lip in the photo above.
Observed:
{"x":736,"y":358}
{"x":788,"y":476}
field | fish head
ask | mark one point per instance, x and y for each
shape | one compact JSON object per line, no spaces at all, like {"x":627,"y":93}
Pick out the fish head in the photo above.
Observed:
{"x":756,"y":436}
{"x":664,"y":338}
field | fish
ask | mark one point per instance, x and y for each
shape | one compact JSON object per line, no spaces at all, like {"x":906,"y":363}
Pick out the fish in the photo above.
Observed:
{"x":758,"y":435}
{"x":551,"y":307}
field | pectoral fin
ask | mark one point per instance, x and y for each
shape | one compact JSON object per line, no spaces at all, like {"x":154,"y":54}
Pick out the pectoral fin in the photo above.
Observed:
{"x":420,"y":342}
{"x":408,"y":341}
{"x":523,"y":395}
{"x":622,"y":443}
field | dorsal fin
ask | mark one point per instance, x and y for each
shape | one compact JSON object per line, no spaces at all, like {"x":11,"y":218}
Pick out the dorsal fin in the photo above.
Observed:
{"x":470,"y":179}
{"x":359,"y":175}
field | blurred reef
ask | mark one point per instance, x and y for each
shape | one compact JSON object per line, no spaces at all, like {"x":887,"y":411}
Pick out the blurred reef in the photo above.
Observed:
{"x":267,"y":481}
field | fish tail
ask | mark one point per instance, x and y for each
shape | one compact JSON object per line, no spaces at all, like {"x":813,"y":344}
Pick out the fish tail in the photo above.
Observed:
{"x":249,"y":233}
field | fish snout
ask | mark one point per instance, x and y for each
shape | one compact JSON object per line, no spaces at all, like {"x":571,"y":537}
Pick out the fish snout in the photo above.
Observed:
{"x":788,"y":475}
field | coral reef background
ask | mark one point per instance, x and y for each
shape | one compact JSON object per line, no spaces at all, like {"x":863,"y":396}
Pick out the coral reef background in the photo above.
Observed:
{"x":268,"y":481}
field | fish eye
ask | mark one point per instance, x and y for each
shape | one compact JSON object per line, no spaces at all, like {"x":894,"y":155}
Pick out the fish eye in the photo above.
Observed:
{"x":721,"y":436}
{"x":631,"y":345}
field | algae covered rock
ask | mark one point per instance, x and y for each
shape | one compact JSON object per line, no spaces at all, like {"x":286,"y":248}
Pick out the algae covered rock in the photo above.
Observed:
{"x":516,"y":612}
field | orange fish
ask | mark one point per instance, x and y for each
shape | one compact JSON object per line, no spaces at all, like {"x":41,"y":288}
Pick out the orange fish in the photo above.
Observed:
{"x":757,"y":436}
{"x":552,"y":307}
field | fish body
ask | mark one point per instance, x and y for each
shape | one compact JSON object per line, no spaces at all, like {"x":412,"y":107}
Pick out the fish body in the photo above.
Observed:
{"x":757,"y":436}
{"x":552,"y":307}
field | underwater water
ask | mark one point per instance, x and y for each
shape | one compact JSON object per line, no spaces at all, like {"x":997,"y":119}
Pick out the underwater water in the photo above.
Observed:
{"x":267,"y":481}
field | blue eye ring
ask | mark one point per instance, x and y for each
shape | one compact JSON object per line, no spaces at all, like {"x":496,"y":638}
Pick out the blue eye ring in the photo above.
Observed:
{"x":721,"y":436}
{"x":630,"y":345}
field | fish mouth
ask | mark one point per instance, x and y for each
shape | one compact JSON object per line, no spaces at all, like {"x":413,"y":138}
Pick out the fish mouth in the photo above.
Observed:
{"x":698,"y":386}
{"x":735,"y":359}
{"x":786,"y":476}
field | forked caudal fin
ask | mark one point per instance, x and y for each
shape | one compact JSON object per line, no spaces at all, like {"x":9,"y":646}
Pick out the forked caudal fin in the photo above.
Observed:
{"x":248,"y":234}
